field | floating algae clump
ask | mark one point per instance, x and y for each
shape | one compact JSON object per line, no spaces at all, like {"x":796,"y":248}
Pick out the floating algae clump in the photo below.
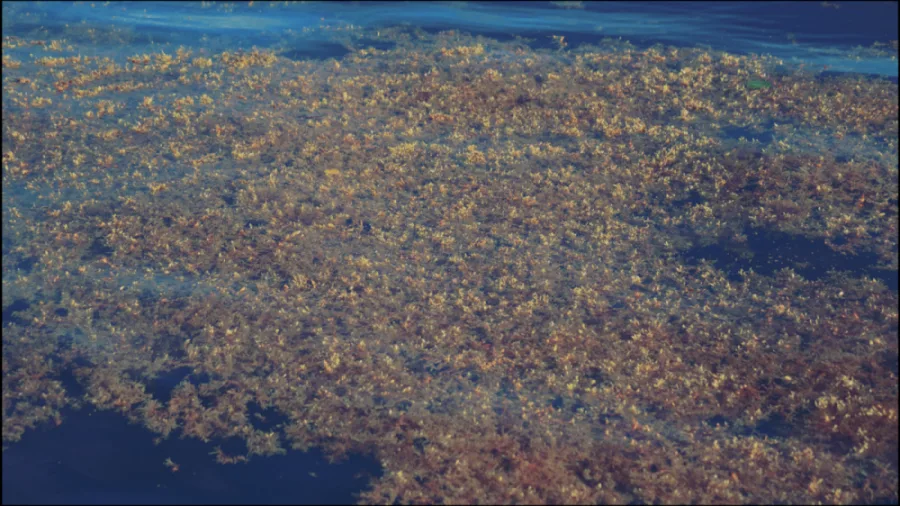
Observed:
{"x":505,"y":293}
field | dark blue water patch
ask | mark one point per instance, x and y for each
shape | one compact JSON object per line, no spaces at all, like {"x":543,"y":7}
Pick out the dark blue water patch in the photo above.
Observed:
{"x":380,"y":45}
{"x":557,"y":402}
{"x":26,"y":264}
{"x":887,"y":276}
{"x":830,"y":76}
{"x":853,"y":23}
{"x":69,"y":379}
{"x":99,"y":458}
{"x":717,"y":420}
{"x":762,"y":136}
{"x":317,"y":50}
{"x":266,"y":419}
{"x":161,"y":385}
{"x":70,"y":339}
{"x":609,"y":417}
{"x":890,"y":360}
{"x":850,"y":23}
{"x":691,"y":198}
{"x":98,"y":249}
{"x":9,"y":316}
{"x":578,"y":407}
{"x":362,"y":225}
{"x":774,"y":426}
{"x":768,"y":251}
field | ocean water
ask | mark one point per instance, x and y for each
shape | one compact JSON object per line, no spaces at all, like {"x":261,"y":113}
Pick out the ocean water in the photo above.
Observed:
{"x":450,"y":252}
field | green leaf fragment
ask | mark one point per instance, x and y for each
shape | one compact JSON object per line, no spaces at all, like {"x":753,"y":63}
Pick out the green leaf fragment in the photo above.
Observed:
{"x":758,"y":84}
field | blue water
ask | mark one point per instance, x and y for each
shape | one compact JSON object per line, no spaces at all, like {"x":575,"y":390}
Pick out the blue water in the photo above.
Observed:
{"x":90,"y":458}
{"x":832,"y":35}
